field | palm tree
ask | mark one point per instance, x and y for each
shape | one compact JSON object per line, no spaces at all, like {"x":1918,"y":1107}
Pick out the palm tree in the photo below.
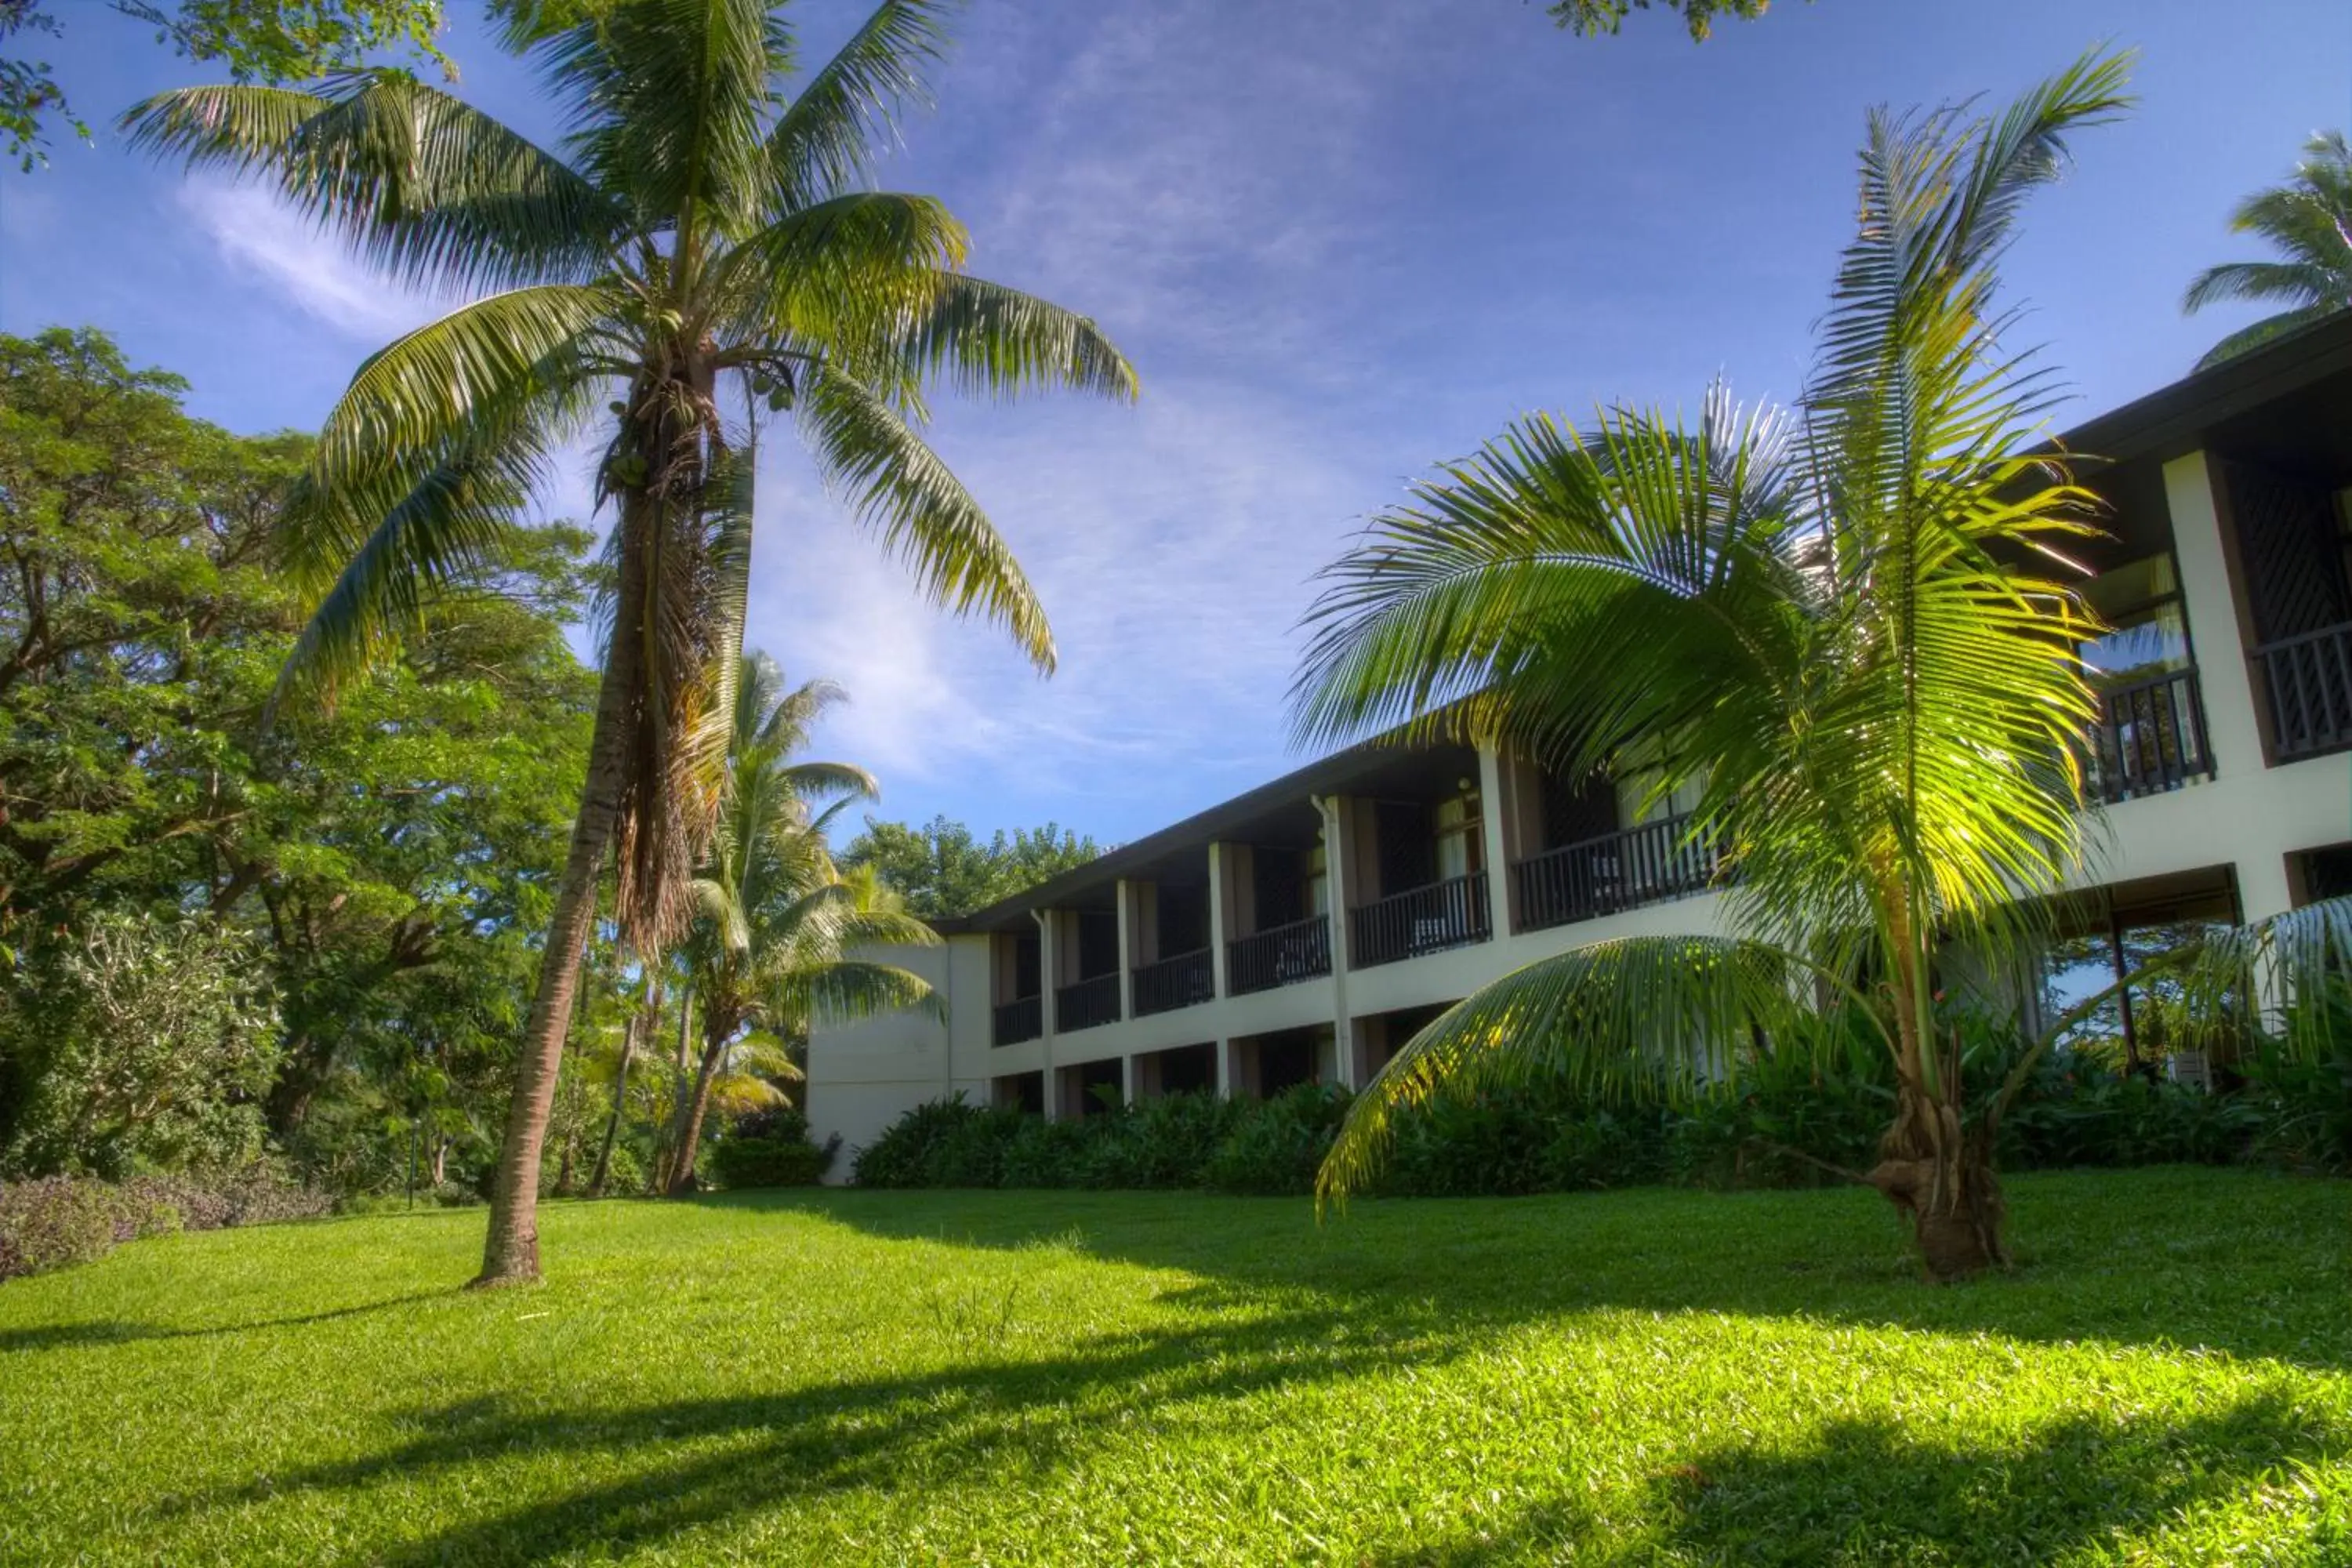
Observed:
{"x":699,"y":234}
{"x":768,"y":955}
{"x":2309,"y":221}
{"x":1840,"y":631}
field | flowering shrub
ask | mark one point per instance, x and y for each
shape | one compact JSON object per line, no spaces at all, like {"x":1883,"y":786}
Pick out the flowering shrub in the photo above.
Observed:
{"x":55,"y":1222}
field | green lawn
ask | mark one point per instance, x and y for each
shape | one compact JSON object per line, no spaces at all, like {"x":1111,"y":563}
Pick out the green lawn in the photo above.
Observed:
{"x":888,"y":1377}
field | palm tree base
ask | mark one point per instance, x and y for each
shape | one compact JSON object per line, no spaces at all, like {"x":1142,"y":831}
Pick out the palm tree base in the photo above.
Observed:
{"x":1952,"y":1198}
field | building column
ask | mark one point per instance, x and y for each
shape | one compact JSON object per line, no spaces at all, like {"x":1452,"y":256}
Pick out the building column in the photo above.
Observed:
{"x":1496,"y":800}
{"x":1339,"y":866}
{"x":1049,"y":956}
{"x":1218,"y":934}
{"x":1225,"y":1049}
{"x":1125,"y":893}
{"x":2225,"y":677}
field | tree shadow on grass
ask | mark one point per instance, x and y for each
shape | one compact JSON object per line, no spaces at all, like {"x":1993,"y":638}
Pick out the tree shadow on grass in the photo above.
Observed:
{"x":114,"y":1332}
{"x":1013,"y":1424}
{"x":1868,"y":1493}
{"x":2167,"y":1257}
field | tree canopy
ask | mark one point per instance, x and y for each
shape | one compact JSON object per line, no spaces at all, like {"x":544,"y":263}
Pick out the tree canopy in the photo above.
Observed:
{"x":940,"y":868}
{"x":253,"y":40}
{"x":389,"y":860}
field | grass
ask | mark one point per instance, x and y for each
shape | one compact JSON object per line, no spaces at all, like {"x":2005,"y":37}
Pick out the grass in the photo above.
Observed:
{"x":848,"y":1377}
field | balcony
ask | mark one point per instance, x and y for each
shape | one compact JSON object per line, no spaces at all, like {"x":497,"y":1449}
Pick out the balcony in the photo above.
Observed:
{"x":2150,"y":738}
{"x":1451,"y":913}
{"x":1279,"y":955}
{"x":1173,"y":982}
{"x":1087,"y":1003}
{"x":1617,"y":871}
{"x":2308,"y":680}
{"x":1013,"y":1022}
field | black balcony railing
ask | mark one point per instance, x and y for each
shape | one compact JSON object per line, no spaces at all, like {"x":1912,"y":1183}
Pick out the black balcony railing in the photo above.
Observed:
{"x":1446,"y":914}
{"x":1015,"y":1022}
{"x":2308,"y":680}
{"x":1278,"y":955}
{"x":1622,"y":871}
{"x":1087,"y":1003}
{"x":2150,"y":737}
{"x":1173,"y":982}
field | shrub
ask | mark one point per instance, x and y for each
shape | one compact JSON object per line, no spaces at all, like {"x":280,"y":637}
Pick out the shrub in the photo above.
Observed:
{"x":141,"y":1043}
{"x":1277,"y":1148}
{"x":770,"y":1148}
{"x":54,"y":1222}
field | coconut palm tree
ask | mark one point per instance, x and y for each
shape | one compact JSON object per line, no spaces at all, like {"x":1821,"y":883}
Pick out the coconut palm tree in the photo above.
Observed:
{"x":1842,"y":630}
{"x":769,"y":953}
{"x":697,"y":235}
{"x":2309,"y":221}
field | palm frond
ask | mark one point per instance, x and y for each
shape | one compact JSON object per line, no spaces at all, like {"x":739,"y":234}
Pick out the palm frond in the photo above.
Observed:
{"x":986,"y":338}
{"x":424,"y":186}
{"x":2270,"y":329}
{"x":2300,"y":283}
{"x":668,"y":103}
{"x":454,"y":379}
{"x":825,"y":140}
{"x":450,"y":519}
{"x":897,"y":485}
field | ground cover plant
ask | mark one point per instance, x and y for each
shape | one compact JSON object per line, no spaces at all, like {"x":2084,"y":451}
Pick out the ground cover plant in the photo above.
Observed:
{"x":841,"y":1377}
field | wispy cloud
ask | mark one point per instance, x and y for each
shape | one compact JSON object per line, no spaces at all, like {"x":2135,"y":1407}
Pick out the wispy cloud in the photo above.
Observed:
{"x":262,"y":240}
{"x":1173,"y":546}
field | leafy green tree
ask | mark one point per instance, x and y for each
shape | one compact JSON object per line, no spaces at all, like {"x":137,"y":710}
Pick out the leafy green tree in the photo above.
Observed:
{"x":941,"y":870}
{"x":2308,"y":221}
{"x":390,"y":859}
{"x":1833,"y":629}
{"x":1587,"y":18}
{"x":703,"y":242}
{"x":256,"y":40}
{"x":771,"y":953}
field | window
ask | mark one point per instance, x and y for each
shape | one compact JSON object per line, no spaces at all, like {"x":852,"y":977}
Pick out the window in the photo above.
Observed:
{"x":2142,"y":1025}
{"x":1461,"y":839}
{"x":2141,"y":602}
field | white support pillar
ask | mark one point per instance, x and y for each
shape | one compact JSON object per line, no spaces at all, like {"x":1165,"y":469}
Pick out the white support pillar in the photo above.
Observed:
{"x":1127,"y":1072}
{"x":1048,"y":957}
{"x":1125,"y":893}
{"x":1494,"y":804}
{"x":2219,"y":636}
{"x":2224,"y":675}
{"x":1218,"y":936}
{"x":1337,"y":868}
{"x":1225,"y":1069}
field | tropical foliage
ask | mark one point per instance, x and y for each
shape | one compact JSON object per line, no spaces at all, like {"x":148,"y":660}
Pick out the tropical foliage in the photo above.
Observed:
{"x":1587,"y":18}
{"x":942,"y":869}
{"x":1842,"y":629}
{"x":700,"y":242}
{"x":371,"y":878}
{"x":279,"y":40}
{"x":775,"y":948}
{"x":2308,"y":222}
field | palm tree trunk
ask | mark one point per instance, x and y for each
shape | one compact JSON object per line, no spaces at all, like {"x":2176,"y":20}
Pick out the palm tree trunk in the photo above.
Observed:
{"x":666,"y":1151}
{"x":510,"y":1250}
{"x":1931,"y":1165}
{"x":698,"y":1105}
{"x":641,"y":1019}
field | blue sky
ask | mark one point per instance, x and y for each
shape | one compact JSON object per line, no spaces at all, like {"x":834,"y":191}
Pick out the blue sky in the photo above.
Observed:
{"x":1339,"y":239}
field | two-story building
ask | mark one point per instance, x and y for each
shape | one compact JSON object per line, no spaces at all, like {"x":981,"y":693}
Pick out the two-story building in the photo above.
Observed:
{"x":1305,"y":929}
